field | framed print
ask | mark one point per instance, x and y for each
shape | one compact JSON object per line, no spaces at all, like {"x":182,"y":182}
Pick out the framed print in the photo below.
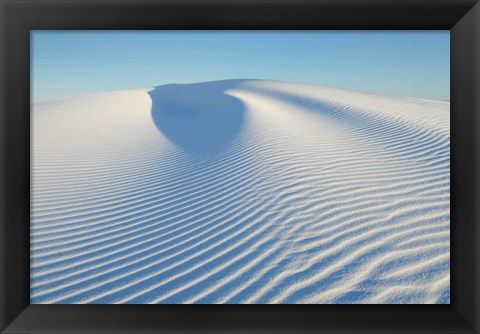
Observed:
{"x":321,"y":156}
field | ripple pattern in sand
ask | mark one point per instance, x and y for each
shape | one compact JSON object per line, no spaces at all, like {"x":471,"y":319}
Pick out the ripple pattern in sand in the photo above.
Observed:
{"x":309,"y":195}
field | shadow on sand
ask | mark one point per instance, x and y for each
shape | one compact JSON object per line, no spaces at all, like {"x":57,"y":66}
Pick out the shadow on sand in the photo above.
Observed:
{"x":200,"y":117}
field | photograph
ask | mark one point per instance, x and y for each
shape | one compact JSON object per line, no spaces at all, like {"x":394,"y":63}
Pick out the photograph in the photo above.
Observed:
{"x":239,"y":167}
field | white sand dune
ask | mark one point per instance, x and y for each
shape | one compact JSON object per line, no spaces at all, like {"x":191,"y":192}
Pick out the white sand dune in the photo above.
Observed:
{"x":240,"y":191}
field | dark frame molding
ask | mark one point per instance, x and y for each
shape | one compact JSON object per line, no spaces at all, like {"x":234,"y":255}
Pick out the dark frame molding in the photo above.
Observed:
{"x":18,"y":17}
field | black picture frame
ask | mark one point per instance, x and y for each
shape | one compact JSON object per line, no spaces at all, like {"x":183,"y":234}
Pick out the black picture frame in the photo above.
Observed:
{"x":18,"y":17}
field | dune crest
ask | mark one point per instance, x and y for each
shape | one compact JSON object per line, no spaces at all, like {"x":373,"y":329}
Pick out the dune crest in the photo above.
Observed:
{"x":240,"y":191}
{"x":197,"y":117}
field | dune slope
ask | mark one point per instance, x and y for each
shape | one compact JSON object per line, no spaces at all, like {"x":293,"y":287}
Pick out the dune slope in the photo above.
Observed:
{"x":240,"y":191}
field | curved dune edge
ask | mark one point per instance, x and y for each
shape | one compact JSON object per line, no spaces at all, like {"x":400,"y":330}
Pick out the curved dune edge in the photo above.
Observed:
{"x":240,"y":191}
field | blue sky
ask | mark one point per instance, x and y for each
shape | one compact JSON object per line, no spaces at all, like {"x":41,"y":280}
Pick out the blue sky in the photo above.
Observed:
{"x":405,"y":63}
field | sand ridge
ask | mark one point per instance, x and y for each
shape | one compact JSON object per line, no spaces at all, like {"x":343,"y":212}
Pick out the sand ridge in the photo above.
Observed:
{"x":240,"y":191}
